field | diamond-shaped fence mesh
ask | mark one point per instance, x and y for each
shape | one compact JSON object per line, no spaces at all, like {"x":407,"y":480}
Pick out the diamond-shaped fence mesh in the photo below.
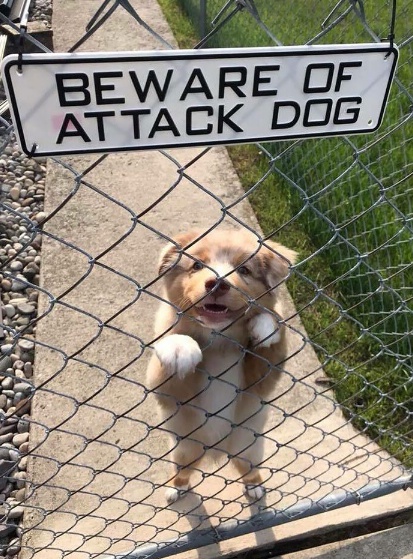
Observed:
{"x":89,"y":442}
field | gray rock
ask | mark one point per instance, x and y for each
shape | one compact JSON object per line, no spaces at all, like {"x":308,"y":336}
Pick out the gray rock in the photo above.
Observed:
{"x":7,"y":529}
{"x":5,"y":363}
{"x":14,"y":455}
{"x":8,"y":489}
{"x":6,"y":284}
{"x":14,"y":547}
{"x":26,"y":345}
{"x":20,"y":438}
{"x":23,"y":387}
{"x":22,"y":464}
{"x":17,"y":285}
{"x":6,"y":438}
{"x":4,"y":453}
{"x":3,"y":484}
{"x":16,"y":300}
{"x":14,"y":193}
{"x":23,"y":407}
{"x":24,"y":448}
{"x":7,"y":383}
{"x":10,"y":310}
{"x":16,"y":512}
{"x":29,"y":272}
{"x":28,"y":370}
{"x":6,"y":468}
{"x":25,"y":308}
{"x":16,"y":266}
{"x":23,"y":426}
{"x":40,"y":216}
{"x":20,"y":479}
{"x":18,"y":397}
{"x":20,"y":495}
{"x":11,"y":410}
{"x":4,"y":429}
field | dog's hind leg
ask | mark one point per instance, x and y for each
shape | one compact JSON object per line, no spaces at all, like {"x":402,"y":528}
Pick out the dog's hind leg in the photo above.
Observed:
{"x":247,"y":446}
{"x":185,"y":457}
{"x":247,"y":463}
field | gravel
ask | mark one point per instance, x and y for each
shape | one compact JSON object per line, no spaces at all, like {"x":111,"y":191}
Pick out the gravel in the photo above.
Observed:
{"x":22,"y":186}
{"x":41,"y":10}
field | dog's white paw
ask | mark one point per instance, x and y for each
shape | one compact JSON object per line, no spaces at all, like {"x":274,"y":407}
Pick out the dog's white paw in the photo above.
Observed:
{"x":179,"y":354}
{"x":254,"y":492}
{"x":172,"y":494}
{"x":264,"y":330}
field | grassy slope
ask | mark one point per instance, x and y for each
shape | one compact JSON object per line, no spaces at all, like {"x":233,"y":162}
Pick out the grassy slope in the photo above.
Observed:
{"x":369,"y":383}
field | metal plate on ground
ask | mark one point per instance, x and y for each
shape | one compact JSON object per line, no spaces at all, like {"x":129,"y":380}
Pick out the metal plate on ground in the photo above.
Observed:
{"x":106,"y":102}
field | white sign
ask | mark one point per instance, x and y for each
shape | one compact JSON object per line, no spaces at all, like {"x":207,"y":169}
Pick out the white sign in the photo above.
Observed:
{"x":104,"y":102}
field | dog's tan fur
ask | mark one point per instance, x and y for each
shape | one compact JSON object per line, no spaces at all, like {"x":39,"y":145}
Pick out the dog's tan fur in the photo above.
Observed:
{"x":236,"y":371}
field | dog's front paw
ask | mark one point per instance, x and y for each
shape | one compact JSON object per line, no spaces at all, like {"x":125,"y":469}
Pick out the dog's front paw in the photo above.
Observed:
{"x":254,"y":492}
{"x":179,"y":354}
{"x":172,"y":494}
{"x":264,"y":330}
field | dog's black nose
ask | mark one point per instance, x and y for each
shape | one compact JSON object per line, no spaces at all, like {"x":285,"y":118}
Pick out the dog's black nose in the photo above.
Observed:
{"x":219,"y":286}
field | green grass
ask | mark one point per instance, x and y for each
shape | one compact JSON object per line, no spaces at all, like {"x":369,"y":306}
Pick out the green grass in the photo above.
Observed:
{"x":348,"y":311}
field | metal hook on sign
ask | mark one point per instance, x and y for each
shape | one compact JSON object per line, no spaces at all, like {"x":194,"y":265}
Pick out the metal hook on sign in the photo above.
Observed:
{"x":33,"y":150}
{"x":392,"y":26}
{"x":23,"y":30}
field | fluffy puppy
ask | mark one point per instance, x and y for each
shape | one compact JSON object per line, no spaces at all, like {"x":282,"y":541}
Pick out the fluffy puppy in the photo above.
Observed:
{"x":220,"y":349}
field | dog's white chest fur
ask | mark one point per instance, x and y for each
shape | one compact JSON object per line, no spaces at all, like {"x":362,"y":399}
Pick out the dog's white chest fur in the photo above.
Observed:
{"x":223,"y":366}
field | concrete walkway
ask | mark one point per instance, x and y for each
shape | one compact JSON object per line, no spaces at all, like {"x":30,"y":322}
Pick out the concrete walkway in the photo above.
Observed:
{"x":97,"y":483}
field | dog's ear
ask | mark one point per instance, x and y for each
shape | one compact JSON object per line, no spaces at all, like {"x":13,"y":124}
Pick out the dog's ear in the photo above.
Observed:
{"x":170,"y":255}
{"x":277,"y":260}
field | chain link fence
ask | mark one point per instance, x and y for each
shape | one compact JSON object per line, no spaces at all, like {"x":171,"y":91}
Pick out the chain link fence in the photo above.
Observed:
{"x":85,"y":460}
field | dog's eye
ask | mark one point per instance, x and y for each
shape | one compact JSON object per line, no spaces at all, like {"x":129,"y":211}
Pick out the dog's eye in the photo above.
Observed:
{"x":197,"y":265}
{"x":244,"y":271}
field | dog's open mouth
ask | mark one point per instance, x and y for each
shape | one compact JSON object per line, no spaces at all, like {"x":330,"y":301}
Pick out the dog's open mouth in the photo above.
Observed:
{"x":215,"y":313}
{"x":214,"y":308}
